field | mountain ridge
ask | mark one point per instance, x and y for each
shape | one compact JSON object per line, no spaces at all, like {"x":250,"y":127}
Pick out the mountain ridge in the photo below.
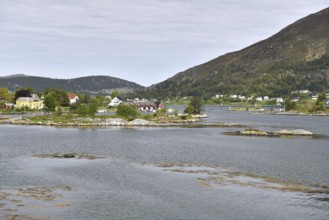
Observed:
{"x":274,"y":62}
{"x":96,"y":84}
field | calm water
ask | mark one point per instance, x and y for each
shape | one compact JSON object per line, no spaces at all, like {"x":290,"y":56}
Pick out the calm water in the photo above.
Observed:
{"x":119,"y":187}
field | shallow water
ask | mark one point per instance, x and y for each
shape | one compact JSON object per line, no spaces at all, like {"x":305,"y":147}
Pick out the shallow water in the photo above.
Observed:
{"x":122,"y":187}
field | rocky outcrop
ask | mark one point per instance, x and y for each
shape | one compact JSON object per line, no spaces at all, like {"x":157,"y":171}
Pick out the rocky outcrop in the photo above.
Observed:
{"x":254,"y":132}
{"x":140,"y":122}
{"x":115,"y":122}
{"x":294,"y":132}
{"x":283,"y":132}
{"x":69,"y":156}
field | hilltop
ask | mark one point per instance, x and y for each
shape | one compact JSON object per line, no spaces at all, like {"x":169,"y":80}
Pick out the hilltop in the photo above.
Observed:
{"x":295,"y":58}
{"x":90,"y":84}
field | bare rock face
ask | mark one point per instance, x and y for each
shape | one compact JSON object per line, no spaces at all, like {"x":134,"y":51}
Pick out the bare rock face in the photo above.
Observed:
{"x":115,"y":121}
{"x":97,"y":121}
{"x":140,"y":122}
{"x":283,"y":132}
{"x":294,"y":132}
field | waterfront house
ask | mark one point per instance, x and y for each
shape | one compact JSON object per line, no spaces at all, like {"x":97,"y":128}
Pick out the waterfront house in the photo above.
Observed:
{"x":303,"y":91}
{"x":295,"y":99}
{"x":73,"y":98}
{"x":114,"y":102}
{"x":8,"y":106}
{"x":145,"y":106}
{"x":315,"y":97}
{"x":241,"y":97}
{"x":259,"y":99}
{"x":33,"y":102}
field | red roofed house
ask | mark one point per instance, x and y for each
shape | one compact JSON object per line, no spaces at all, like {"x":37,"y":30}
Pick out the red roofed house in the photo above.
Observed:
{"x":73,"y":98}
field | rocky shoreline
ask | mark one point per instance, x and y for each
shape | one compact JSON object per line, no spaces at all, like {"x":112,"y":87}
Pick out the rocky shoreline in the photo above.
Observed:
{"x":193,"y":122}
{"x":96,"y":122}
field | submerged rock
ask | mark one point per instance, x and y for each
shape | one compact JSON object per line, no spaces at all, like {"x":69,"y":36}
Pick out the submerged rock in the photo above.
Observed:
{"x":69,"y":156}
{"x":220,"y":176}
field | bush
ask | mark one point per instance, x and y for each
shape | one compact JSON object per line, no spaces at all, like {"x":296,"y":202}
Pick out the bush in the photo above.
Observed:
{"x":83,"y":110}
{"x":127,"y":111}
{"x":51,"y":103}
{"x":195,"y":106}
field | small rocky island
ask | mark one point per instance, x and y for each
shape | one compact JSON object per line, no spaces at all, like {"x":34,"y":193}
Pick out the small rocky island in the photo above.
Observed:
{"x":279,"y":133}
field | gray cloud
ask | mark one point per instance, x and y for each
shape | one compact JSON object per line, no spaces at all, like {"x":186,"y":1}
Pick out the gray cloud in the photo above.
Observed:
{"x":139,"y":40}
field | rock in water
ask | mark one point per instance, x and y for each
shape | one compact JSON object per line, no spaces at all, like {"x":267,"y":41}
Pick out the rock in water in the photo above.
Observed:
{"x":294,"y":132}
{"x":256,"y":132}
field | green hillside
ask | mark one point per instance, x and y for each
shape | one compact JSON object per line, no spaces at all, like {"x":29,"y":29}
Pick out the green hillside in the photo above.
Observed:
{"x":295,"y":58}
{"x":91,"y":84}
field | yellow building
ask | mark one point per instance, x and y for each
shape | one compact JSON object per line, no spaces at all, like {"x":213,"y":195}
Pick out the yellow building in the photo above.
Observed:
{"x":33,"y":102}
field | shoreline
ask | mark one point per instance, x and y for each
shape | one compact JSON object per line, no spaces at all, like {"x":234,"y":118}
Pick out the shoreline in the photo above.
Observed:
{"x":123,"y":123}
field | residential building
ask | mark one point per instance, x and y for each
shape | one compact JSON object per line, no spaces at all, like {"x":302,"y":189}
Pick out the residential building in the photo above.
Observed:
{"x":315,"y":97}
{"x":73,"y":98}
{"x":146,"y":106}
{"x":33,"y":102}
{"x":114,"y":102}
{"x":8,"y":105}
{"x":259,"y":99}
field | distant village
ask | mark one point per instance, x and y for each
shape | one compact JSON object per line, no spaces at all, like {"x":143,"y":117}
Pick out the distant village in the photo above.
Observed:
{"x":295,"y":97}
{"x":34,"y":101}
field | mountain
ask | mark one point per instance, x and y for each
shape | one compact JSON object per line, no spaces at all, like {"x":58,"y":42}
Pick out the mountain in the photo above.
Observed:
{"x":297,"y":57}
{"x":90,"y":84}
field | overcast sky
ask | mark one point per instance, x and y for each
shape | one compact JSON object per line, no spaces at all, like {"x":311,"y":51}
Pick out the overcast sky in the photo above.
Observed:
{"x":144,"y":41}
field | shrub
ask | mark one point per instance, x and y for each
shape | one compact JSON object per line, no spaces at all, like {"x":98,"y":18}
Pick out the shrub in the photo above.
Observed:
{"x":83,"y":110}
{"x":127,"y":111}
{"x":195,"y":106}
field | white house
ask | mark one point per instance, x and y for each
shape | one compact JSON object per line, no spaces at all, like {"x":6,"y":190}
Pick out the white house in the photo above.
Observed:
{"x":315,"y":97}
{"x":259,"y":99}
{"x":241,"y":97}
{"x":114,"y":102}
{"x":303,"y":91}
{"x":266,"y":99}
{"x":279,"y":100}
{"x":73,"y":98}
{"x":295,"y":99}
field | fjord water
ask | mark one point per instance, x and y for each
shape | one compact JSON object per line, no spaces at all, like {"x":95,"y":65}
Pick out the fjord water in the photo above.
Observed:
{"x":120,"y":186}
